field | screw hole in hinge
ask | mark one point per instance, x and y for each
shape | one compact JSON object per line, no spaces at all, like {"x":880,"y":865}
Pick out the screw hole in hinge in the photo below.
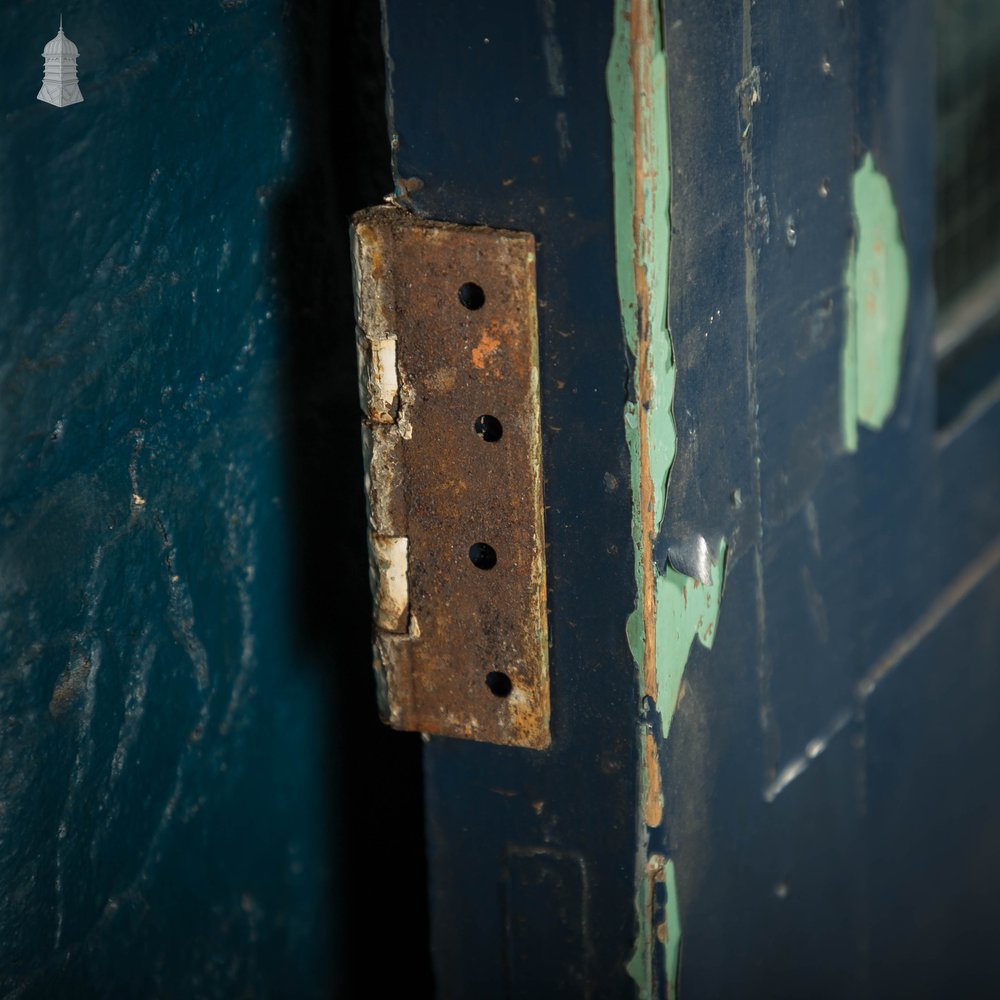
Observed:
{"x":499,"y":683}
{"x":482,"y":555}
{"x":488,"y":428}
{"x":471,"y":295}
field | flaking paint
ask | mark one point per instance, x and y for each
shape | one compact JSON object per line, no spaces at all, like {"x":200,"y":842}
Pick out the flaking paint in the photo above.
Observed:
{"x":878,"y":289}
{"x":672,"y":920}
{"x":685,"y":609}
{"x":671,"y":608}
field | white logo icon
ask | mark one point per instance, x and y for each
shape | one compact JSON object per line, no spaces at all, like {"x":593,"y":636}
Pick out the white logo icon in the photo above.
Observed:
{"x":59,"y":85}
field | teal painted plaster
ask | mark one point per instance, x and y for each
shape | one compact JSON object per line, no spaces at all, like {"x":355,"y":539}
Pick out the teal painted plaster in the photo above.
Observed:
{"x":878,"y":288}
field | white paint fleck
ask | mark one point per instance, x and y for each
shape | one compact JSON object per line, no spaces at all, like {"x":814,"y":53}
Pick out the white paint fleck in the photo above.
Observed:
{"x":391,"y":566}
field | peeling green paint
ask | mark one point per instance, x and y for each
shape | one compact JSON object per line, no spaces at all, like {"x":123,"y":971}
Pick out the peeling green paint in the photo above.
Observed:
{"x":685,"y":609}
{"x":671,"y":608}
{"x":878,"y":289}
{"x":642,"y":245}
{"x":672,"y":943}
{"x":640,"y":963}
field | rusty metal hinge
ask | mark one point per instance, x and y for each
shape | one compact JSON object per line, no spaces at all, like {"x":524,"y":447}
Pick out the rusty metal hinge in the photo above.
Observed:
{"x":448,"y":356}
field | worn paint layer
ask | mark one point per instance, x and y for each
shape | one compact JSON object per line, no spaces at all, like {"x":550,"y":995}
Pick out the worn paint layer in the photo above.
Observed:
{"x":671,"y":608}
{"x":686,"y":608}
{"x":878,"y":287}
{"x":172,"y":800}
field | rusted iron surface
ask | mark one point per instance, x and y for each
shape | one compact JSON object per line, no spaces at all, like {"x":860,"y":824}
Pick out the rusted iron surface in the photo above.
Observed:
{"x":448,"y":358}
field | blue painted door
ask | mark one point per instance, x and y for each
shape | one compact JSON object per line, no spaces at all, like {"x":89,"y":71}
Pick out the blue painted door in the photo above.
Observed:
{"x":772,"y":555}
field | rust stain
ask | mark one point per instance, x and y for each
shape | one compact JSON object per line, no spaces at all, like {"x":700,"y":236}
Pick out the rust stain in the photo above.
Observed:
{"x":69,"y":688}
{"x":470,"y":658}
{"x":442,"y":380}
{"x":652,"y":810}
{"x":484,"y":350}
{"x":642,"y":46}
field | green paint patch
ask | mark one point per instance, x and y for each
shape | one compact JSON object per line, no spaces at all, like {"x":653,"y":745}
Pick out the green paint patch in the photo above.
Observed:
{"x":685,"y":609}
{"x":672,"y":940}
{"x":640,"y":964}
{"x":878,"y":290}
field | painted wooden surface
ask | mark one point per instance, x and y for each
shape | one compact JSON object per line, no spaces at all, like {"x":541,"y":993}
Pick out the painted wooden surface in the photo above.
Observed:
{"x":516,"y":836}
{"x":829,"y":773}
{"x":185,"y":807}
{"x":195,"y":791}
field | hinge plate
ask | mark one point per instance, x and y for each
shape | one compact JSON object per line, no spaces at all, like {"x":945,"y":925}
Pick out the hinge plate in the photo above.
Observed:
{"x":448,"y":356}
